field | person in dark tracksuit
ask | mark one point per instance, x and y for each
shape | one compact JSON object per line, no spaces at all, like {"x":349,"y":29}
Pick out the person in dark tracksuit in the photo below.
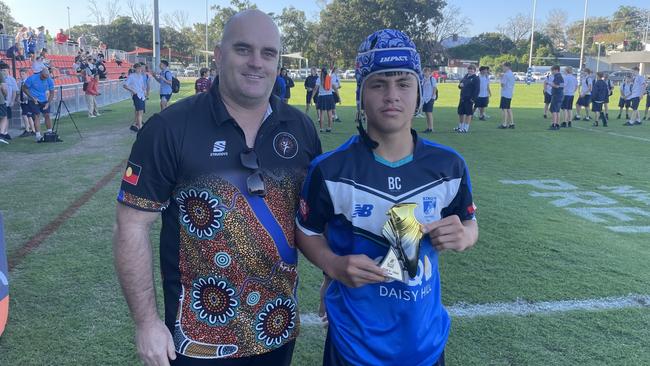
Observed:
{"x":599,"y":95}
{"x":557,"y":95}
{"x":469,"y":90}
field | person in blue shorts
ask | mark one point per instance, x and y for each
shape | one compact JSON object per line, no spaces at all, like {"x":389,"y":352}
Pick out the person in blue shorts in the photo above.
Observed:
{"x":557,"y":94}
{"x":165,"y":80}
{"x":343,"y":205}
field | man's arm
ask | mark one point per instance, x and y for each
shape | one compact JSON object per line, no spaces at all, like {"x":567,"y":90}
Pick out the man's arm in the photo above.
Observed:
{"x":25,"y":90}
{"x":133,"y":263}
{"x":352,"y":270}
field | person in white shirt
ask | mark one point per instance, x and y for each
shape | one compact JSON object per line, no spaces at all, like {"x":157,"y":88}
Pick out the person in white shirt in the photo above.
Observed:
{"x":507,"y":90}
{"x":336,"y":85}
{"x":484,"y":93}
{"x":135,"y":84}
{"x":547,"y":91}
{"x":570,"y":87}
{"x":638,"y":89}
{"x":585,"y":95}
{"x":647,"y":98}
{"x":624,"y":100}
{"x":429,"y":93}
{"x":610,"y":91}
{"x":324,"y":88}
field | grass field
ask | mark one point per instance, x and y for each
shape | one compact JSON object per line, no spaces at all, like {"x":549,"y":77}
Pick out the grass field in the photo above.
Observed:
{"x":552,"y":229}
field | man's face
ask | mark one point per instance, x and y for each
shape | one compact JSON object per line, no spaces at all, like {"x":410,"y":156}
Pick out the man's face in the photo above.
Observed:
{"x":471,"y":71}
{"x":313,"y":71}
{"x":45,"y":74}
{"x":390,"y":101}
{"x":248,"y":59}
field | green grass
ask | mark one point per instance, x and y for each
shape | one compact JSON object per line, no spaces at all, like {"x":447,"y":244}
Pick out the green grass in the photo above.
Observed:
{"x":66,"y":307}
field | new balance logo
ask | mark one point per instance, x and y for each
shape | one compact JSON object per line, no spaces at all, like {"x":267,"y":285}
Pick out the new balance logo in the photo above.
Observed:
{"x":219,"y":149}
{"x":362,"y":210}
{"x":393,"y":59}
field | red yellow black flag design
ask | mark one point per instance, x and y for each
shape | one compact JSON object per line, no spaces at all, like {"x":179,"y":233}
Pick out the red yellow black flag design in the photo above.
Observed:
{"x":132,"y":173}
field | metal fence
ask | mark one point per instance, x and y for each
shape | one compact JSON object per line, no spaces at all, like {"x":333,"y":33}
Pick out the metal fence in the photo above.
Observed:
{"x":74,"y":97}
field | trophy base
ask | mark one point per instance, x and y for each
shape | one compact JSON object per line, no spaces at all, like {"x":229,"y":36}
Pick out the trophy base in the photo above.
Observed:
{"x":392,"y":266}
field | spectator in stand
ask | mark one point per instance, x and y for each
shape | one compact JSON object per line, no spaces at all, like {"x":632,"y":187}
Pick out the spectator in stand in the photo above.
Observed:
{"x":61,"y":37}
{"x":4,"y":122}
{"x":118,"y":60}
{"x":165,"y":79}
{"x":100,"y":66}
{"x":91,"y":94}
{"x":102,"y":48}
{"x":22,"y":37}
{"x":135,"y":84}
{"x":40,"y":38}
{"x":2,"y":28}
{"x":202,"y":84}
{"x":12,"y":92}
{"x":82,"y":42}
{"x":39,"y":89}
{"x":48,"y":36}
{"x":288,"y":81}
{"x":13,"y":52}
{"x":25,"y":110}
{"x":122,"y":76}
{"x":310,"y":84}
{"x":31,"y":47}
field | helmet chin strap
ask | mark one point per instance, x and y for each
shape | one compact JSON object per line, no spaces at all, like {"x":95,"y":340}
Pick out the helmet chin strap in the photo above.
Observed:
{"x":361,"y":117}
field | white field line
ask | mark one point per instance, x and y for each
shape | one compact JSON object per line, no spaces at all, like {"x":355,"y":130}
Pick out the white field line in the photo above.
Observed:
{"x":613,"y":134}
{"x":521,"y":307}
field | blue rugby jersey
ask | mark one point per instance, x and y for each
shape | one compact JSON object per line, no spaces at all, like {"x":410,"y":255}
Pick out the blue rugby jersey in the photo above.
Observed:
{"x":347,"y":193}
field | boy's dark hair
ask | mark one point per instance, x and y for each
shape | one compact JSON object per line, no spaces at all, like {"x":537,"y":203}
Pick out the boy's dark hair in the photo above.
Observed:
{"x":165,"y":62}
{"x":507,"y":64}
{"x":203,"y":72}
{"x":555,"y":67}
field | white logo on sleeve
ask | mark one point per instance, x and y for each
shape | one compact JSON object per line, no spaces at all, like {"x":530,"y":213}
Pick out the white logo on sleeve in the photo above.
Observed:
{"x":219,"y":149}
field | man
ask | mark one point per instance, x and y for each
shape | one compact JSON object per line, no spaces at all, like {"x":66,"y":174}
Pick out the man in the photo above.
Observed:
{"x":586,"y":85}
{"x":14,"y":52}
{"x":10,"y":98}
{"x":91,"y":93}
{"x":202,"y":84}
{"x":61,"y":37}
{"x":225,"y":169}
{"x":310,"y":84}
{"x":484,"y":93}
{"x":557,"y":95}
{"x":569,"y":90}
{"x":39,"y":89}
{"x":429,"y":92}
{"x":599,"y":94}
{"x":638,"y":89}
{"x":336,"y":85}
{"x":547,"y":91}
{"x":83,"y":43}
{"x":469,"y":89}
{"x":507,"y":90}
{"x":135,"y":84}
{"x":165,"y":80}
{"x":343,"y":209}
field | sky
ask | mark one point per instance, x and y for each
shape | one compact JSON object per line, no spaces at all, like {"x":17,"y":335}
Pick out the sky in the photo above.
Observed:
{"x":484,"y":18}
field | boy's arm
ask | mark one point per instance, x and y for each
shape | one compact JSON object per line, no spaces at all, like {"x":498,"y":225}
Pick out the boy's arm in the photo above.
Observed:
{"x":451,"y":233}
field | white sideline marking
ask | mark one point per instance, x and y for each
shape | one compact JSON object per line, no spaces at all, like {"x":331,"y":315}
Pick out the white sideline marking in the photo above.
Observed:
{"x":614,"y":134}
{"x":521,"y":307}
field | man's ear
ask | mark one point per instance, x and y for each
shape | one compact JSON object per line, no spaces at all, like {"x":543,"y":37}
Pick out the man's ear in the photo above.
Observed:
{"x":217,"y":55}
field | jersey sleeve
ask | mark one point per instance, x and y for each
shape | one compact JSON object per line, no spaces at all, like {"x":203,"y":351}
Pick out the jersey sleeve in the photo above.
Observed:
{"x":316,"y":207}
{"x":150,"y":175}
{"x":463,"y":203}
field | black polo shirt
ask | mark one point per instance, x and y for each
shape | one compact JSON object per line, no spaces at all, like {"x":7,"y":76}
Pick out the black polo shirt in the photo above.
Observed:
{"x":228,"y":259}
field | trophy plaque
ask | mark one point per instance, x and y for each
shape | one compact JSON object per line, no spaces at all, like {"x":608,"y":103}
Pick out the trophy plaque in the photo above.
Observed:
{"x":402,"y":230}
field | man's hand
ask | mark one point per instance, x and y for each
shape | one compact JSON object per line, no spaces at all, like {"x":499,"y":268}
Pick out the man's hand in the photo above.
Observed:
{"x":451,"y":233}
{"x":154,"y":343}
{"x":355,"y":270}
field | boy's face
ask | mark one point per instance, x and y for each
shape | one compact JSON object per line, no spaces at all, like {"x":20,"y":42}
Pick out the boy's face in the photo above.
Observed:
{"x":390,"y":101}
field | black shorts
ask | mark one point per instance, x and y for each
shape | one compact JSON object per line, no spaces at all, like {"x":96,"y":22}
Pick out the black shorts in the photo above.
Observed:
{"x":466,"y":107}
{"x":567,"y":102}
{"x":166,"y":96}
{"x":505,"y":103}
{"x":623,"y":103}
{"x":9,"y":114}
{"x":310,"y":95}
{"x":332,"y":357}
{"x":138,"y":103}
{"x":634,"y":103}
{"x":428,"y":107}
{"x":3,"y":110}
{"x":337,"y":99}
{"x":597,"y":106}
{"x":482,"y":102}
{"x":556,"y":102}
{"x":584,"y":100}
{"x":280,"y":356}
{"x":25,"y":110}
{"x":38,"y":108}
{"x":547,"y":98}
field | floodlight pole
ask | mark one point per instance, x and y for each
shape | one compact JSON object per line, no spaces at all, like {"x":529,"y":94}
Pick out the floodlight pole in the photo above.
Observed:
{"x":156,"y":36}
{"x":532,"y":36}
{"x":206,"y":35}
{"x":582,"y":47}
{"x":69,"y":35}
{"x":598,"y":56}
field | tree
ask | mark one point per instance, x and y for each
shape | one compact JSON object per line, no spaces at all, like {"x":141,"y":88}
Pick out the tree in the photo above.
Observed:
{"x":108,"y":14}
{"x":178,"y":19}
{"x":294,"y":29}
{"x":516,"y":28}
{"x":142,"y":13}
{"x":555,"y":26}
{"x":452,"y":22}
{"x":630,"y":20}
{"x":485,"y":44}
{"x":594,"y":26}
{"x":223,"y":13}
{"x":8,"y":21}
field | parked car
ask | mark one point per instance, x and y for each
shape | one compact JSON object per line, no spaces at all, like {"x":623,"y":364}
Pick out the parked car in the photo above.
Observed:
{"x":348,"y":74}
{"x":520,"y":76}
{"x":618,"y":76}
{"x":191,"y":71}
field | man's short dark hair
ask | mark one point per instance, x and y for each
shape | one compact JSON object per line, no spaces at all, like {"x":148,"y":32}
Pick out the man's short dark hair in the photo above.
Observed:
{"x":165,"y":62}
{"x":507,"y":64}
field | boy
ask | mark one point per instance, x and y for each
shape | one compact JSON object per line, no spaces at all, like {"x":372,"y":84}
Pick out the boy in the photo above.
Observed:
{"x":557,"y":94}
{"x":570,"y":87}
{"x":599,"y":94}
{"x":547,"y":91}
{"x":638,"y":89}
{"x":624,"y":100}
{"x":507,"y":90}
{"x":469,"y":89}
{"x":165,"y":79}
{"x":585,"y":95}
{"x":347,"y":193}
{"x":484,"y":93}
{"x":429,"y":91}
{"x":135,"y":84}
{"x":202,"y":84}
{"x":647,"y":99}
